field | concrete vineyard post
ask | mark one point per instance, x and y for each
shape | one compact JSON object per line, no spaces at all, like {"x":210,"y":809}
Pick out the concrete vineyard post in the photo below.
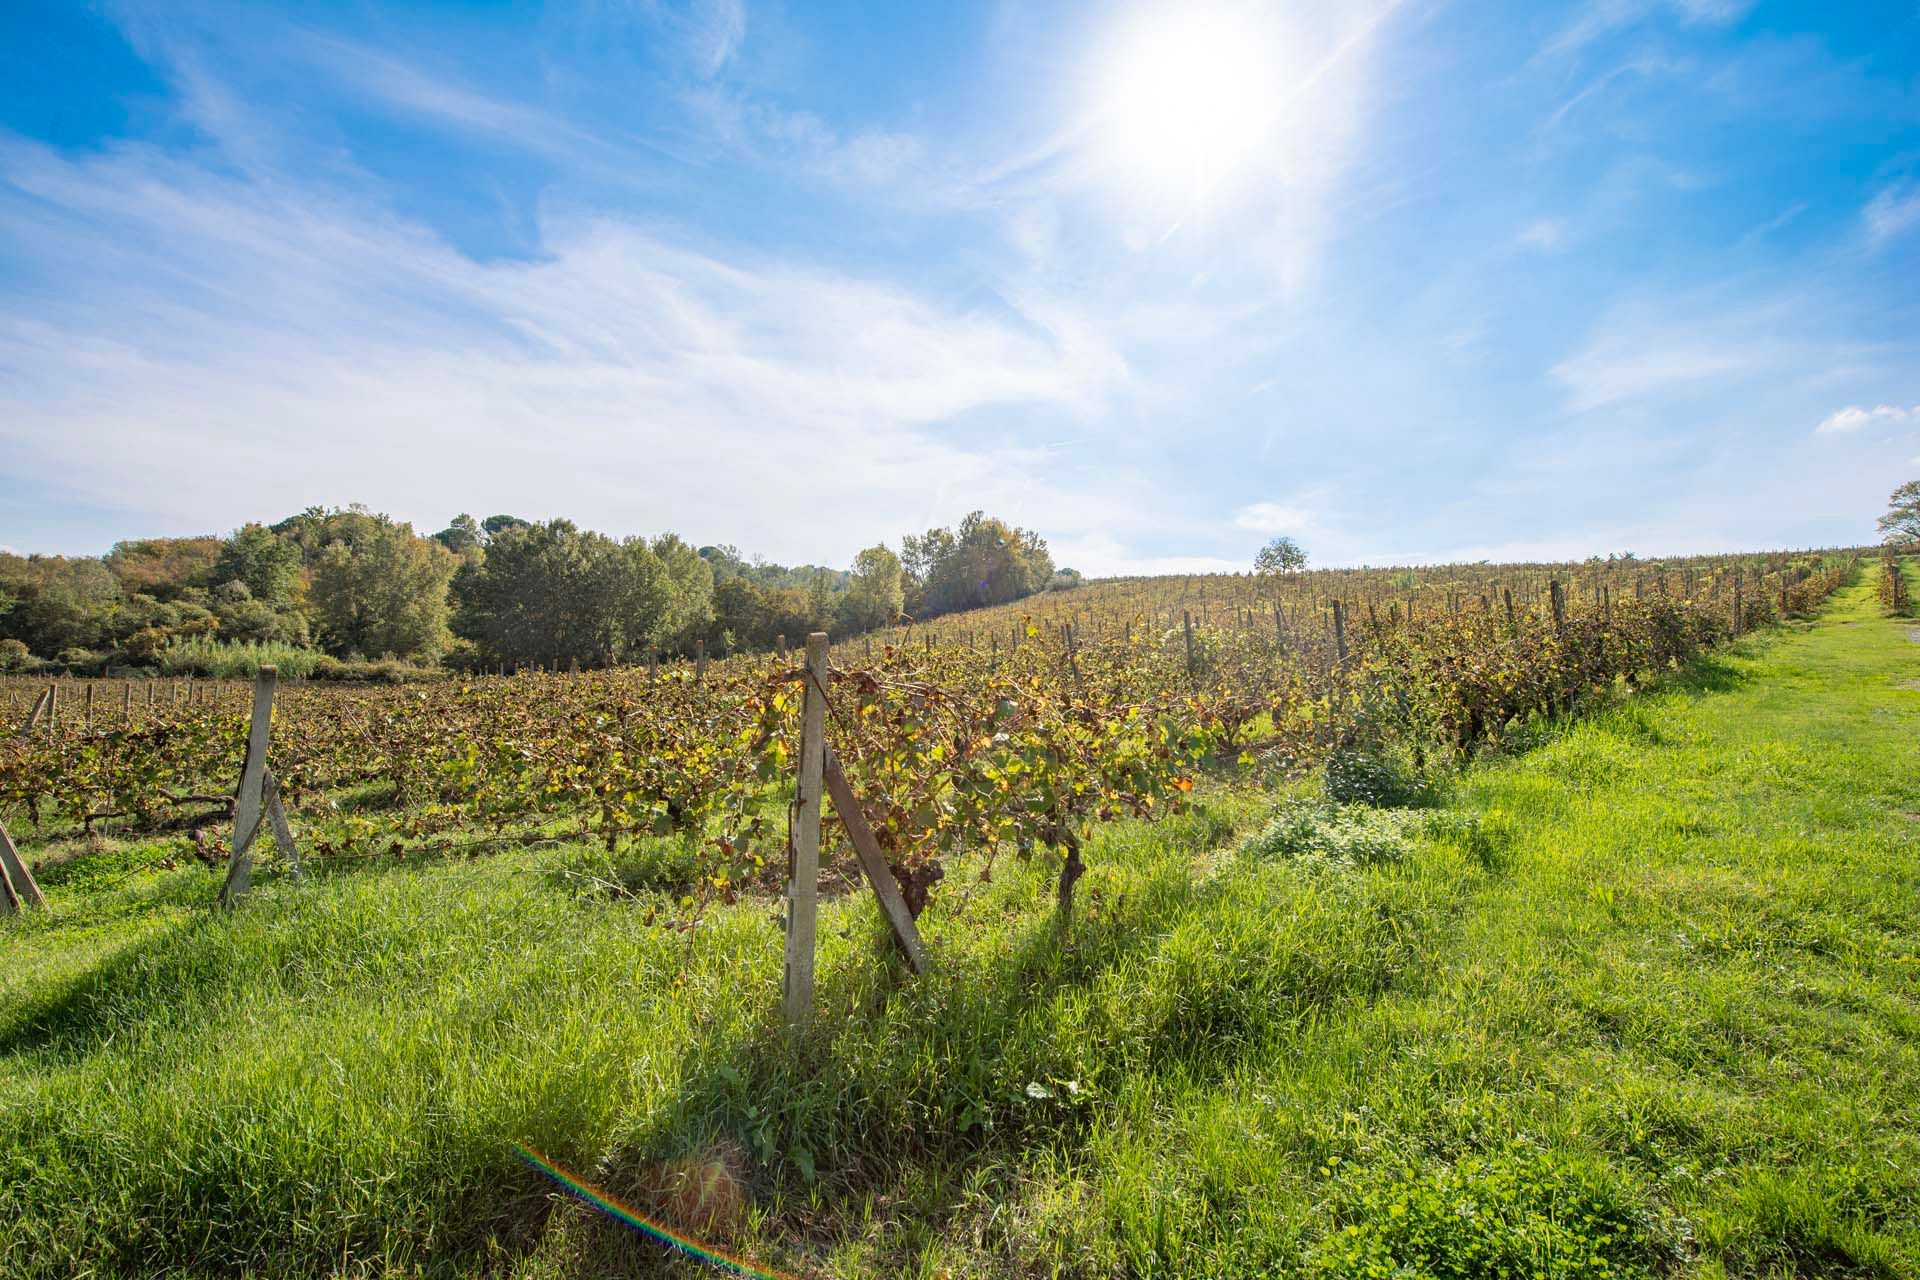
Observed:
{"x":1186,"y":620}
{"x":1557,"y":599}
{"x":1339,"y":634}
{"x":803,"y":854}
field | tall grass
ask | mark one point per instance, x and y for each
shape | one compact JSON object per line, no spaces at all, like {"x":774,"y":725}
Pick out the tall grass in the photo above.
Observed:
{"x":234,"y":660}
{"x":1639,"y":1002}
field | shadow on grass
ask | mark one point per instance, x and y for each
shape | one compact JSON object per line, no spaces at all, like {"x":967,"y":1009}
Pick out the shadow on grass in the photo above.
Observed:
{"x":904,"y":1088}
{"x":149,"y":978}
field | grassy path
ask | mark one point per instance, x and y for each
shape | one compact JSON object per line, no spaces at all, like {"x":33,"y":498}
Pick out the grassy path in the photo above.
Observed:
{"x":1690,"y":985}
{"x":1642,"y":1001}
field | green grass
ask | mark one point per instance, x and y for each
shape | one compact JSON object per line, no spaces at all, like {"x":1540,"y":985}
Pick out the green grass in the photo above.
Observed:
{"x":1642,"y":1000}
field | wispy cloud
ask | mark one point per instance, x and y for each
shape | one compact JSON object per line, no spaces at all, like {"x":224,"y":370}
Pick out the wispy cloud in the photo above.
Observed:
{"x":1892,"y":212}
{"x":1543,"y":234}
{"x":804,"y":140}
{"x":1857,"y":417}
{"x":190,"y":342}
{"x":1621,"y":368}
{"x":1597,"y":18}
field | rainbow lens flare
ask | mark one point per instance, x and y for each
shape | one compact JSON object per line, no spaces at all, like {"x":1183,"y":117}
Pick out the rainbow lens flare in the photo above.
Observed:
{"x":660,"y":1231}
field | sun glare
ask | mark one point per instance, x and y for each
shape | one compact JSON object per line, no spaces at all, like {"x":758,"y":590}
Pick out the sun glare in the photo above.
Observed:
{"x":1187,"y":96}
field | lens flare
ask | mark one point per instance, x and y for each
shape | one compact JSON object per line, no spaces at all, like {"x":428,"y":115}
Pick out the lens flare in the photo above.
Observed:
{"x":660,"y":1231}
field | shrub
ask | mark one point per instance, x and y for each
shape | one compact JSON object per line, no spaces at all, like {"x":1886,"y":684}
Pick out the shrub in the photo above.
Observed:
{"x":1374,"y":775}
{"x":204,"y":656}
{"x":1518,"y":1212}
{"x":14,"y":655}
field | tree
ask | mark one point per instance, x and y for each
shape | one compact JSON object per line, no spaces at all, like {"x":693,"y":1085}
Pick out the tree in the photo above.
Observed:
{"x":1901,"y":524}
{"x":163,"y":567}
{"x":875,"y":595}
{"x":553,"y":592}
{"x":532,"y":598}
{"x":462,"y":535}
{"x":58,"y":603}
{"x":261,"y":558}
{"x":688,"y":580}
{"x":494,"y":526}
{"x":384,"y":593}
{"x":1282,"y":555}
{"x":984,"y":562}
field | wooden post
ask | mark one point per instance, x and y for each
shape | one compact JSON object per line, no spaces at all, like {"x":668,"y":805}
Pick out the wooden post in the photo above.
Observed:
{"x":53,"y":707}
{"x":873,"y":861}
{"x":18,"y":888}
{"x":1186,"y":620}
{"x":1736,"y":601}
{"x":1506,"y":594}
{"x":700,"y":660}
{"x":33,"y":716}
{"x":87,"y":705}
{"x":1557,"y":597}
{"x":247,"y":801}
{"x":1339,"y":633}
{"x":803,"y":853}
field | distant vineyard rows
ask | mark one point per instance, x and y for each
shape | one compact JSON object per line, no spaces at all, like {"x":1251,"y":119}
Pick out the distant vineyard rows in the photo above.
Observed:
{"x":1012,"y":724}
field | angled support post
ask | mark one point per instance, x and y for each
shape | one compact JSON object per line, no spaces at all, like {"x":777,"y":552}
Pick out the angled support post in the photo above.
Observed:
{"x":874,"y":863}
{"x":17,"y":887}
{"x":258,"y":798}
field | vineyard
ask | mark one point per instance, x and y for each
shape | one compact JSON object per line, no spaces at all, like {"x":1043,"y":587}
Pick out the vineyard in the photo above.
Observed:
{"x":1017,"y":726}
{"x":1469,"y":914}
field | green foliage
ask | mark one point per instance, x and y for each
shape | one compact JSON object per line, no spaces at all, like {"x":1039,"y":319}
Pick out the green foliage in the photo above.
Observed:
{"x":983,"y":562}
{"x":233,"y":660}
{"x":1336,"y":835}
{"x":57,"y":603}
{"x":164,"y":568}
{"x":266,"y":563}
{"x":552,"y":592}
{"x":383,"y":593}
{"x":1901,"y":523}
{"x":875,"y":592}
{"x":1282,"y":555}
{"x":1374,"y":773}
{"x":462,"y":534}
{"x":1516,"y":1213}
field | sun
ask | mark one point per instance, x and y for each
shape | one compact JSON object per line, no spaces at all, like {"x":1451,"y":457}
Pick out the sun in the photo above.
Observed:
{"x":1187,"y":98}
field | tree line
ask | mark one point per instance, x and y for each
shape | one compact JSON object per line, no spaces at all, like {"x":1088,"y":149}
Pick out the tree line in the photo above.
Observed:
{"x":361,"y":587}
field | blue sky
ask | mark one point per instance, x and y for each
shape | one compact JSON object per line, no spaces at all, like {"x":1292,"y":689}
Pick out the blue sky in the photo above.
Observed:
{"x":1409,"y":281}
